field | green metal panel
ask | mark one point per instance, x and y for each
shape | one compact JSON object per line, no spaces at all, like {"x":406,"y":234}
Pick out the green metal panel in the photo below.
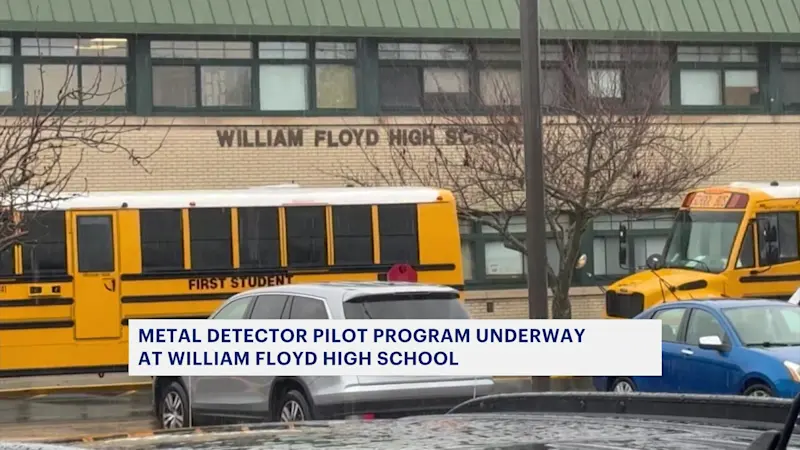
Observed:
{"x":692,"y":20}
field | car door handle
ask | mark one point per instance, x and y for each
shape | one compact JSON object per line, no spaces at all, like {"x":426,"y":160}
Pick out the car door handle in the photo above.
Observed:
{"x":686,"y":351}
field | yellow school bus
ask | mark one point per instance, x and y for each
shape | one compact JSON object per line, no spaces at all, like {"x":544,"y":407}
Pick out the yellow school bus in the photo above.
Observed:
{"x":735,"y":241}
{"x":93,"y":262}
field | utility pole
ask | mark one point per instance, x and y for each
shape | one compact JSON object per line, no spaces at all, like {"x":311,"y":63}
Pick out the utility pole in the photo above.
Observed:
{"x":536,"y":234}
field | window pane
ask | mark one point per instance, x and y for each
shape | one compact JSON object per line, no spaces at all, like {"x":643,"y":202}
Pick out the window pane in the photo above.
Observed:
{"x":44,"y":247}
{"x":700,"y":88}
{"x":646,"y":246}
{"x":400,"y":87}
{"x":430,"y":52}
{"x":234,"y":310}
{"x":282,"y":50}
{"x":173,"y":49}
{"x":352,"y":234}
{"x":210,"y":234}
{"x":466,"y":260}
{"x":108,"y":47}
{"x":225,"y":86}
{"x":161,"y":234}
{"x":95,"y":244}
{"x":335,"y":50}
{"x":500,"y":87}
{"x":400,"y":307}
{"x":308,"y":309}
{"x":269,"y":307}
{"x":606,"y":256}
{"x":790,"y":87}
{"x":336,"y":86}
{"x":702,"y":324}
{"x":741,"y":87}
{"x":646,"y":86}
{"x":6,"y":94}
{"x":48,"y":47}
{"x":224,"y":50}
{"x":446,"y":87}
{"x":552,"y":87}
{"x":6,"y":47}
{"x":502,"y":261}
{"x":397,"y":225}
{"x":306,"y":244}
{"x":259,"y":238}
{"x":174,"y":86}
{"x":605,"y":83}
{"x":283,"y":88}
{"x":104,"y":85}
{"x":43,"y":84}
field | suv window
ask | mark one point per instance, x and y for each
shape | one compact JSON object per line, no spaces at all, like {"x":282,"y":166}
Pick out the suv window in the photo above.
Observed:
{"x":305,"y":308}
{"x":424,"y":305}
{"x":701,"y":324}
{"x":670,"y":322}
{"x":234,"y":310}
{"x":269,"y":307}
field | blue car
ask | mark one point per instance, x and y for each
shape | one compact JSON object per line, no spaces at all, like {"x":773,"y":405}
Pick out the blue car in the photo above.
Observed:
{"x":733,"y":347}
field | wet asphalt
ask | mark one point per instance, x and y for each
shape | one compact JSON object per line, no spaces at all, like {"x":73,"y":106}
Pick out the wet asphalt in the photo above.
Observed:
{"x":56,"y":415}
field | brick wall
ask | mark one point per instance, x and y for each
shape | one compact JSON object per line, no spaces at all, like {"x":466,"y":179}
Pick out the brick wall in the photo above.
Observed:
{"x":190,"y":157}
{"x":587,"y":303}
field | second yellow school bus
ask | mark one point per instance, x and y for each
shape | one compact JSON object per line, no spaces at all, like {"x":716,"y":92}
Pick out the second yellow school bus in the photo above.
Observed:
{"x":95,"y":261}
{"x":735,"y":241}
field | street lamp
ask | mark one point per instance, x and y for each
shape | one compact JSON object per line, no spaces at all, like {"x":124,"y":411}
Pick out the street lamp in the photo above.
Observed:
{"x":536,"y":234}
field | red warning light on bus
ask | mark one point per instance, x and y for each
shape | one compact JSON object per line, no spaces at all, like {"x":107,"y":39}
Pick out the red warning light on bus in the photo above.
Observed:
{"x":402,"y":272}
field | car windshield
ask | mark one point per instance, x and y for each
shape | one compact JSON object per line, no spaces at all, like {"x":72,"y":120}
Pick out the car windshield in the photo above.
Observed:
{"x":766,"y":326}
{"x":406,"y":306}
{"x":702,"y":240}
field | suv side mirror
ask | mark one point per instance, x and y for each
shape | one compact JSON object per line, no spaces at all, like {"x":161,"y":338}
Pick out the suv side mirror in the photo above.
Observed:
{"x":713,"y":343}
{"x":654,"y":261}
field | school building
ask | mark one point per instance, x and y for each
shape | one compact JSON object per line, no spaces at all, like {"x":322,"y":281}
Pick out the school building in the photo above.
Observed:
{"x":257,"y":92}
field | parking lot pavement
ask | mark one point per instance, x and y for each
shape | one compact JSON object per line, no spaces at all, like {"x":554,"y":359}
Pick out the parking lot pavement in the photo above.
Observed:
{"x":64,"y":383}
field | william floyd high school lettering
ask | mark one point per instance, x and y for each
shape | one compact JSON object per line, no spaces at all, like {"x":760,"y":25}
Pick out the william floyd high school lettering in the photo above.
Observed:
{"x":343,"y":137}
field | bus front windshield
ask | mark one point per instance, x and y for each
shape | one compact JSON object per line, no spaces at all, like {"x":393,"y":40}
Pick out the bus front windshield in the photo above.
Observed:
{"x":702,"y":240}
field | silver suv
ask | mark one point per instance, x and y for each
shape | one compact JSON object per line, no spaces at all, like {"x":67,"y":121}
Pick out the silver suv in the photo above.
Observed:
{"x":292,"y":399}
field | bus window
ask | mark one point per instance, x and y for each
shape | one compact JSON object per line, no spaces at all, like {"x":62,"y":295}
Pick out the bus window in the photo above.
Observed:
{"x":259,"y":238}
{"x":352,"y":234}
{"x":210,"y":238}
{"x":785,"y":249}
{"x":44,"y":247}
{"x":747,"y":258}
{"x":398,"y":234}
{"x":305,"y":236}
{"x":95,"y":244}
{"x":161,"y":233}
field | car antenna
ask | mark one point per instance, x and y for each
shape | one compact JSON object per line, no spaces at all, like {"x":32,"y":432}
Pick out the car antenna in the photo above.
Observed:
{"x":779,"y":440}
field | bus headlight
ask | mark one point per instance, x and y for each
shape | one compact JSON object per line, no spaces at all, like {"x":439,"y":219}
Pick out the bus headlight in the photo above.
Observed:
{"x":794,"y":370}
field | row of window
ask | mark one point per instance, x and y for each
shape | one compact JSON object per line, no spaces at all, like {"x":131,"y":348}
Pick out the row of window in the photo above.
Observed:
{"x":300,"y":76}
{"x":211,"y":239}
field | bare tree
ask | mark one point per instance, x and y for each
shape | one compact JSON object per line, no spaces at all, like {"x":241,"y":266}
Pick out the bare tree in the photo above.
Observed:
{"x":608,"y":148}
{"x":43,"y":144}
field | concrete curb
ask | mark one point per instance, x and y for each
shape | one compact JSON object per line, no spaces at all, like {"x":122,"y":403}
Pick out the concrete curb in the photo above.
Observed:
{"x":41,"y":391}
{"x":185,"y":431}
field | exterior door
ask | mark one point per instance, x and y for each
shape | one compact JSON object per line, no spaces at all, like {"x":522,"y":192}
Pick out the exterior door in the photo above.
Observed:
{"x":96,"y":281}
{"x":705,"y":371}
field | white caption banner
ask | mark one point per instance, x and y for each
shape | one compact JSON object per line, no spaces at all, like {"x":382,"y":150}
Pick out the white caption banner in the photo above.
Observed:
{"x":394,"y":347}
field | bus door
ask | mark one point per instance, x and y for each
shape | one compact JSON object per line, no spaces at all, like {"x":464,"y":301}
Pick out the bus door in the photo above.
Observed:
{"x":95,"y":257}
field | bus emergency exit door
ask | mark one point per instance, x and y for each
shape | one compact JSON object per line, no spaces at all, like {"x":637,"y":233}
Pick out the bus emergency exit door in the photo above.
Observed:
{"x":96,"y":281}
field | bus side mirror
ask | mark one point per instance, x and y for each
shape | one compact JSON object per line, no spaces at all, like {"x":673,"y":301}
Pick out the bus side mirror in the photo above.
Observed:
{"x":654,"y":261}
{"x":623,"y":245}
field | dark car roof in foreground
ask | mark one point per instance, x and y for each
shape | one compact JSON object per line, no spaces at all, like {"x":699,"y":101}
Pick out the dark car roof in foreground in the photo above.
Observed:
{"x":564,"y":421}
